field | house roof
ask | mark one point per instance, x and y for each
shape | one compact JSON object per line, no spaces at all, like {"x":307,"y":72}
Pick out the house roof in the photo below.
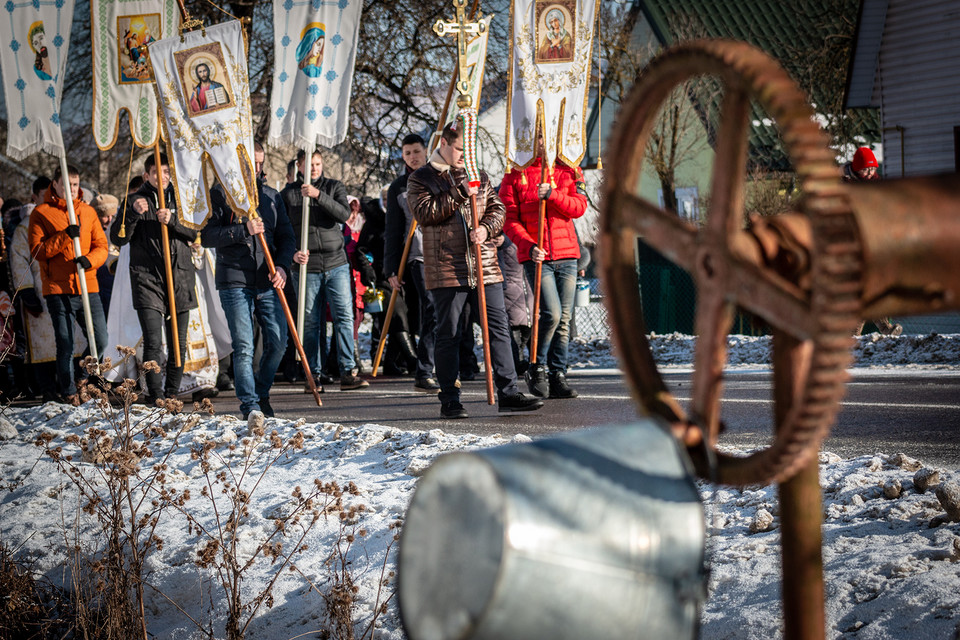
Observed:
{"x":788,"y":31}
{"x":866,"y":54}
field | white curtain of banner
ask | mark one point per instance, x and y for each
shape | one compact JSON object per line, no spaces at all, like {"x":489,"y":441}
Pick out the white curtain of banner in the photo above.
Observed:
{"x":121,"y":73}
{"x":204,"y":97}
{"x":314,"y":52}
{"x":35,"y":37}
{"x":550,"y":65}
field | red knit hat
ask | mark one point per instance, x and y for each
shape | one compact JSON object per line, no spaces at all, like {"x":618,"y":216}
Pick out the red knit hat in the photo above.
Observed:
{"x":864,"y":158}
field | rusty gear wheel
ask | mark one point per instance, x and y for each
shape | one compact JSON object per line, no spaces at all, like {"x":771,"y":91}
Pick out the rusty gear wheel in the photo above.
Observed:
{"x":813,"y":324}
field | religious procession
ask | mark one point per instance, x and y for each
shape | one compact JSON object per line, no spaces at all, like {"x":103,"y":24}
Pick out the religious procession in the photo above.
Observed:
{"x":209,"y":275}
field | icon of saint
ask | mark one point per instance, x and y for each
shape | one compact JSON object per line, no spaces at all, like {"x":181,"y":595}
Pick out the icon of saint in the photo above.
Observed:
{"x":556,"y":44}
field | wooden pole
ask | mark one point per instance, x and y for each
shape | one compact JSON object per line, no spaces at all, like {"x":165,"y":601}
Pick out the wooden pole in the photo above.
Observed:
{"x":290,"y":323}
{"x":541,"y":223}
{"x":482,"y":296}
{"x":167,"y":265}
{"x":393,"y":296}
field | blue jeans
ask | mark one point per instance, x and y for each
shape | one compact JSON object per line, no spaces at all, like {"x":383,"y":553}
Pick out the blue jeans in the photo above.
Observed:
{"x":558,"y":289}
{"x":239,"y":306}
{"x":331,"y":287}
{"x":63,"y":309}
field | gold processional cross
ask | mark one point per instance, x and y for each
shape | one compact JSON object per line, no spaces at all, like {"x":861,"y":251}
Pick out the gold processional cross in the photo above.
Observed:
{"x":461,"y":27}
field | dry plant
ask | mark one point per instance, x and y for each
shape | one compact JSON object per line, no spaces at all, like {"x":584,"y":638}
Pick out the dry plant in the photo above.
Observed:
{"x":31,"y":608}
{"x":121,"y":477}
{"x":232,"y":478}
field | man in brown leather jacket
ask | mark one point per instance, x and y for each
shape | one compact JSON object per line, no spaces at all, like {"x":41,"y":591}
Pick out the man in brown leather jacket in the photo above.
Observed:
{"x":439,"y":199}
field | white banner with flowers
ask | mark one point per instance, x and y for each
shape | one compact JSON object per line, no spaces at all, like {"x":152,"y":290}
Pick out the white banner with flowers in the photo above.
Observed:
{"x":315,"y":46}
{"x":550,"y":64}
{"x":35,"y":37}
{"x":204,"y":95}
{"x":119,"y":31}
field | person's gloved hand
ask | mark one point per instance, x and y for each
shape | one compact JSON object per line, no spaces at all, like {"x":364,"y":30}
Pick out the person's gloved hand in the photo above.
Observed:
{"x":31,"y":302}
{"x":73,"y":230}
{"x":83,"y":261}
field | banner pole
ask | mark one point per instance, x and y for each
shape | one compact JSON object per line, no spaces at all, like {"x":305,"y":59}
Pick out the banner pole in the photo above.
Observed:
{"x":304,"y":238}
{"x":81,"y":275}
{"x":168,"y":267}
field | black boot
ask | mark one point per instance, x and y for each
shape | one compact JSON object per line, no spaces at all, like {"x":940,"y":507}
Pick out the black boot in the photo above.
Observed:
{"x":408,"y":351}
{"x":559,"y":387}
{"x":536,"y":378}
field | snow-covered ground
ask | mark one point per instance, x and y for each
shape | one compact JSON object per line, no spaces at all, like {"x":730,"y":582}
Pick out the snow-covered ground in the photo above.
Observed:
{"x":891,"y":562}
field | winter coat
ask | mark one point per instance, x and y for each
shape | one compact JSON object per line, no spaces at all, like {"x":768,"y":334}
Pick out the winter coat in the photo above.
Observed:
{"x":240,"y":259}
{"x":148,"y":275}
{"x":398,"y":221}
{"x":328,"y":212}
{"x":517,"y":291}
{"x":52,"y":246}
{"x":441,"y":206}
{"x":566,"y":201}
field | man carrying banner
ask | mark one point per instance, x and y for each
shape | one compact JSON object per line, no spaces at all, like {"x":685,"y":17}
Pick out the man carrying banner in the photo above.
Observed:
{"x":328,"y":272}
{"x":398,"y":221}
{"x":246,"y":287}
{"x":522,"y":193}
{"x":148,"y":281}
{"x":51,"y":238}
{"x":439,"y":196}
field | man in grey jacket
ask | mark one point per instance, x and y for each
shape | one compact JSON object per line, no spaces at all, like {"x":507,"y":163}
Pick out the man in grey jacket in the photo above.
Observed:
{"x":328,"y":271}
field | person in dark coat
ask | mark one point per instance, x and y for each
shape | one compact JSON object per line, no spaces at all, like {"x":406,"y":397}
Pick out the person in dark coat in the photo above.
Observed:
{"x":148,"y":279}
{"x":439,"y":194}
{"x":247,"y":289}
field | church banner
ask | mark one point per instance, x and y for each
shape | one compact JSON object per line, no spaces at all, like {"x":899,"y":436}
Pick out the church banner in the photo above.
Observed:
{"x":550,"y":64}
{"x":476,"y":60}
{"x":35,"y":37}
{"x":122,"y":79}
{"x":204,"y":95}
{"x":315,"y":46}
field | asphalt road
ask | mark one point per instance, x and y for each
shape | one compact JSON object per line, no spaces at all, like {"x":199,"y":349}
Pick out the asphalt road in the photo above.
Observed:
{"x":917,"y":413}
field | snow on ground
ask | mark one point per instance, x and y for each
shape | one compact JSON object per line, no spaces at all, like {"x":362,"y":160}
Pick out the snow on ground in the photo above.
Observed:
{"x":891,"y":563}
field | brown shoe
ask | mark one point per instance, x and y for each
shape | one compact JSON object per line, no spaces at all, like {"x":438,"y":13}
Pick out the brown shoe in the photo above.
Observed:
{"x":352,"y":381}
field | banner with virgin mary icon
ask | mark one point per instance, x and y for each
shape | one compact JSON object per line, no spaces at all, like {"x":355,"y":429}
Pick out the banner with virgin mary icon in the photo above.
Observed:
{"x":315,"y":46}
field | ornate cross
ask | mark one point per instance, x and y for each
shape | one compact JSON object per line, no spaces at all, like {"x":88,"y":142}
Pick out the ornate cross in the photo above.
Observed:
{"x":461,"y":27}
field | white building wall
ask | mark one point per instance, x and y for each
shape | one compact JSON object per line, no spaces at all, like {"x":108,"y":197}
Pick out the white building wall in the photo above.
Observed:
{"x":918,"y":81}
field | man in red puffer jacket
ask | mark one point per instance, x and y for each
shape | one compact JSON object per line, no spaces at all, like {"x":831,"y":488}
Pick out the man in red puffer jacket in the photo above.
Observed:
{"x":521,"y":192}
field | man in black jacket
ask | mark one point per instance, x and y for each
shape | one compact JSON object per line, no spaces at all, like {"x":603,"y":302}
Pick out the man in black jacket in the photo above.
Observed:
{"x":148,"y":279}
{"x":328,"y":272}
{"x":398,"y":221}
{"x":246,"y":287}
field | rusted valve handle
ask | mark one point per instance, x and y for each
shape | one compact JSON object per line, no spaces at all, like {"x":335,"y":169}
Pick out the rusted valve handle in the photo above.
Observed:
{"x":812,"y":324}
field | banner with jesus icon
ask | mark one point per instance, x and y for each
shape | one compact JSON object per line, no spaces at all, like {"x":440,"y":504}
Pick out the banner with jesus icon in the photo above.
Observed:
{"x":550,"y":64}
{"x":315,"y":46}
{"x":122,"y":80}
{"x":202,"y":84}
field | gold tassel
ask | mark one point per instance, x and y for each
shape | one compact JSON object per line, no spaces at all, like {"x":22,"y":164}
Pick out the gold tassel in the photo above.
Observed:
{"x":600,"y":164}
{"x":123,"y":230}
{"x":523,"y":178}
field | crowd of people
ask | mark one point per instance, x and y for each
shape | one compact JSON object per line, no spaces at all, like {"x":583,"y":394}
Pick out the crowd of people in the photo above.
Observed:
{"x":61,"y":276}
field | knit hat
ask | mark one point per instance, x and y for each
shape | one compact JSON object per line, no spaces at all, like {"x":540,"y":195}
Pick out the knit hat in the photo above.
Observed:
{"x":864,"y":158}
{"x":105,"y":204}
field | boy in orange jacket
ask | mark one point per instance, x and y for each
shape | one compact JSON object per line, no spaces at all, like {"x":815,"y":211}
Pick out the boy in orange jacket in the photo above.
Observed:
{"x":51,"y":237}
